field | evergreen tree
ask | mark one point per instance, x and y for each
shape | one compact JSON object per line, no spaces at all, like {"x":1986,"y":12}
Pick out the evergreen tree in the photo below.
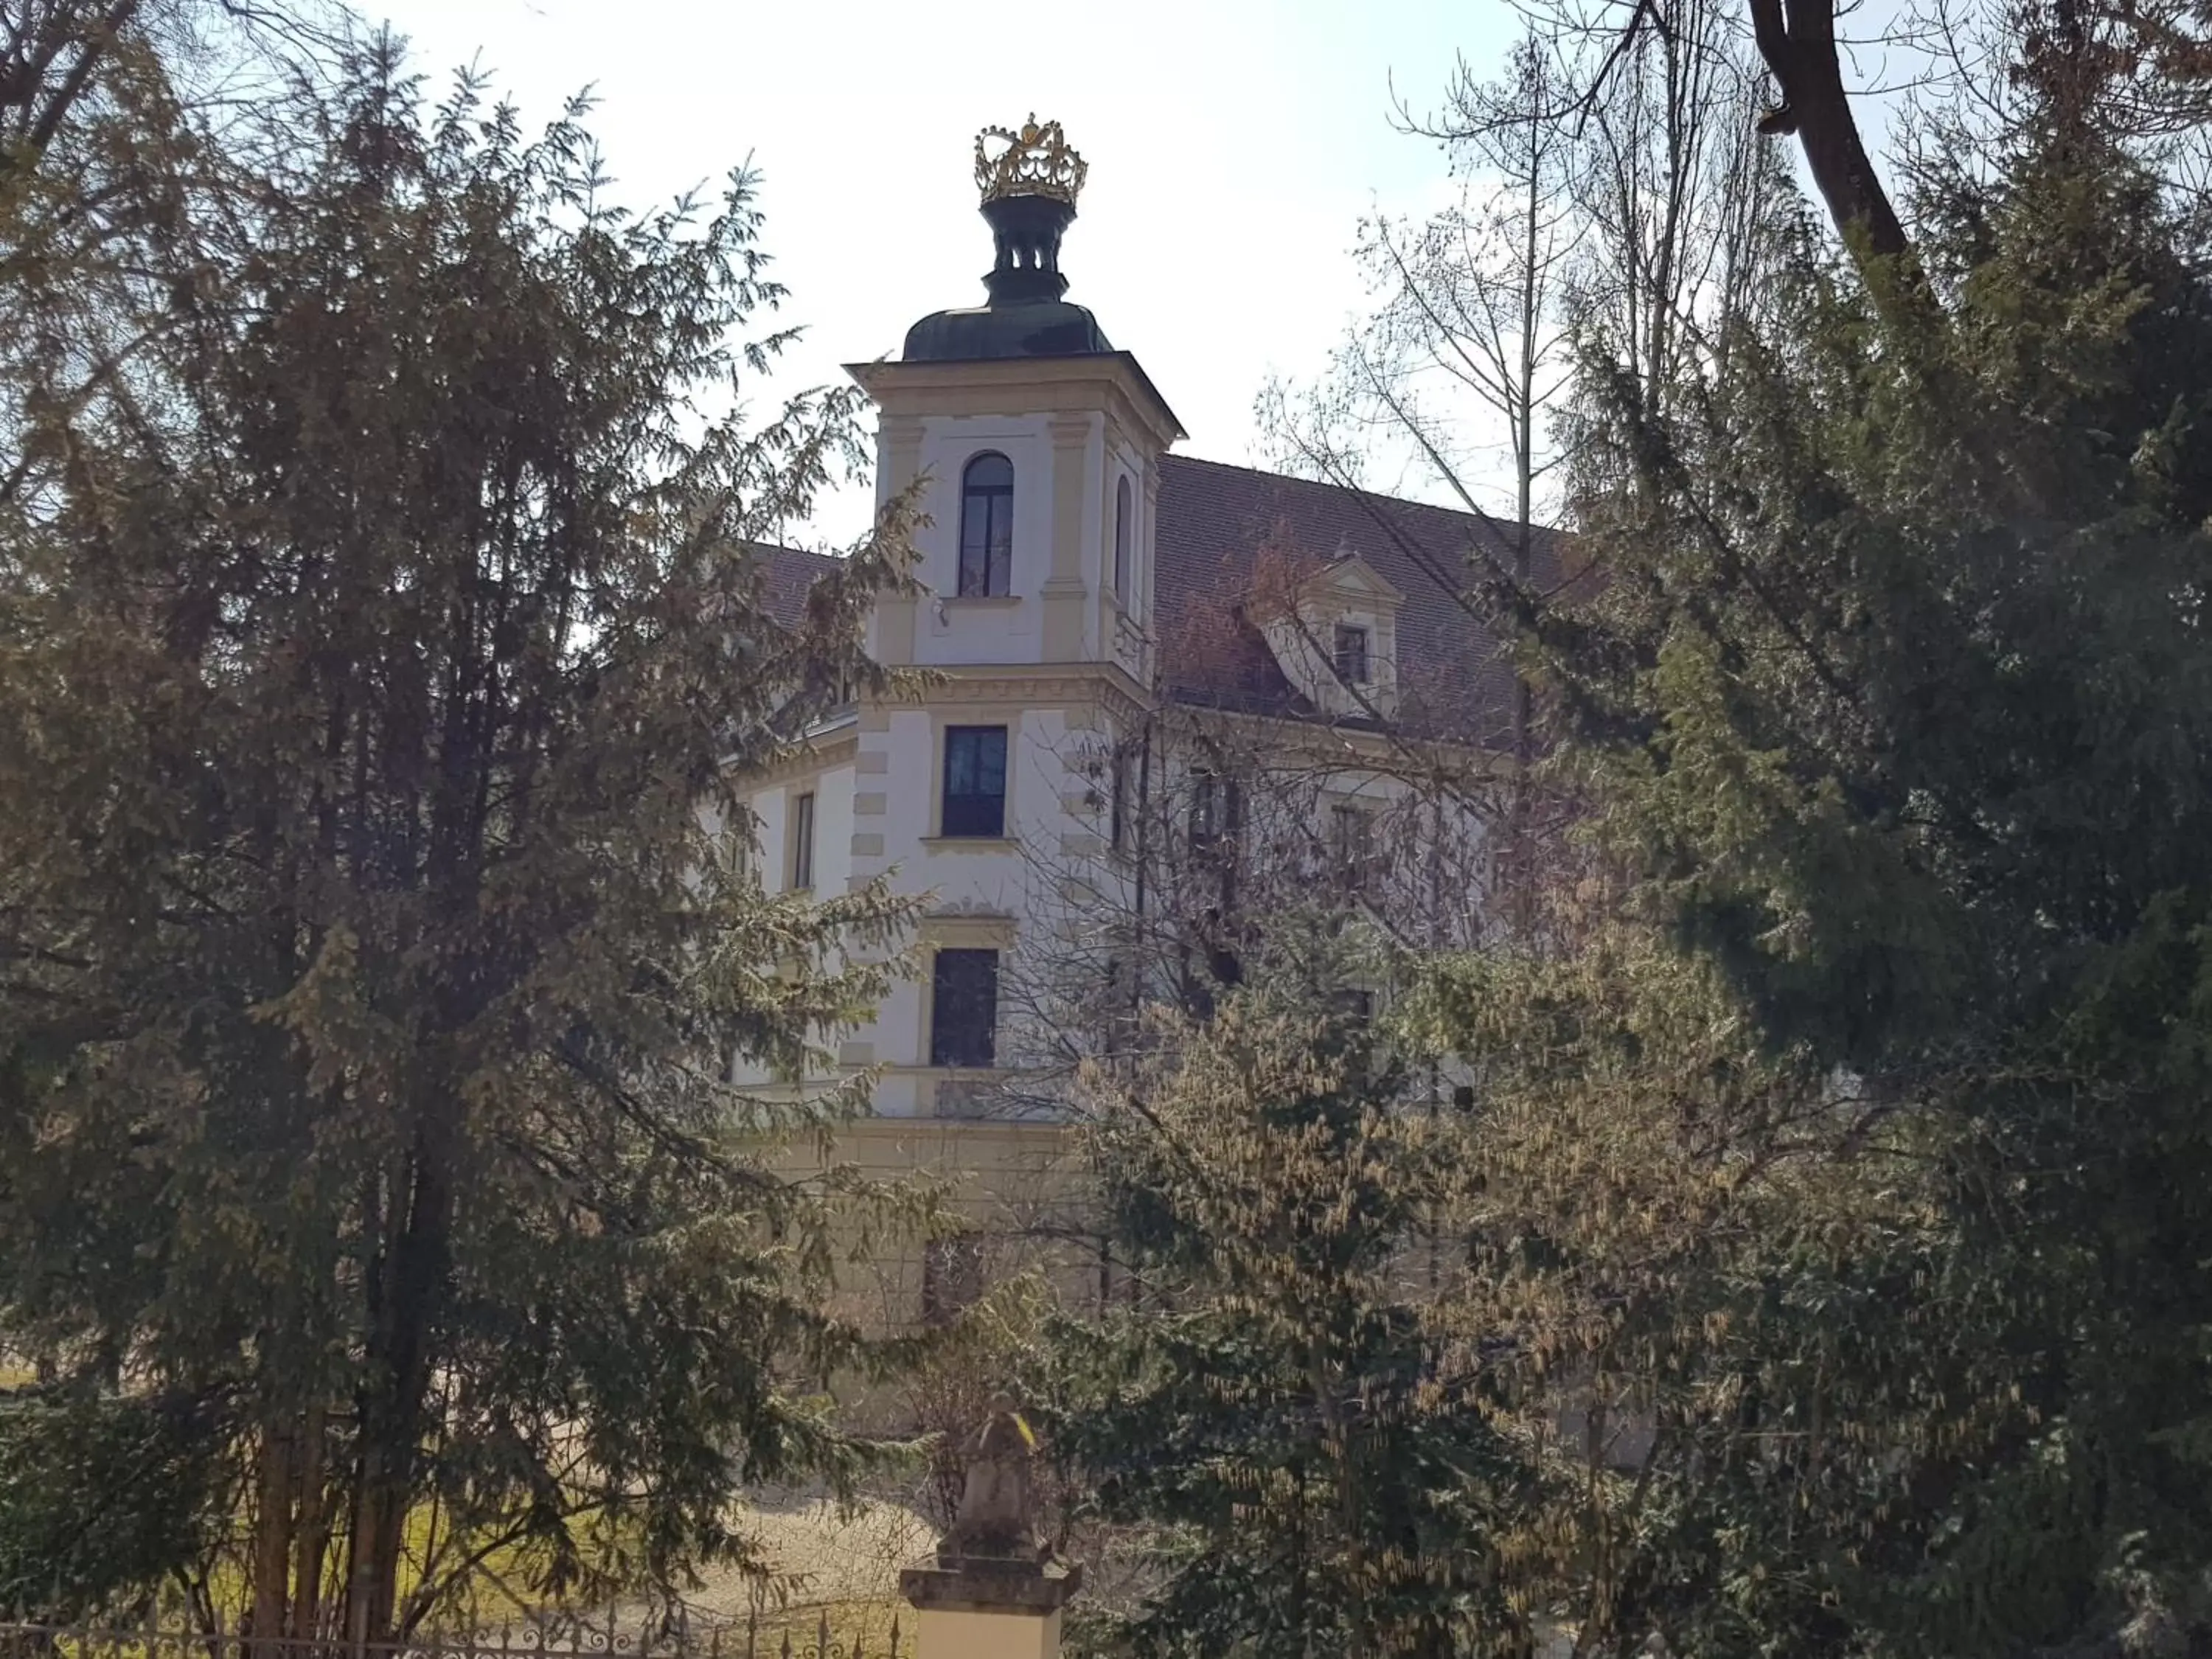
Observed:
{"x":381,"y":653}
{"x":1302,"y":1444}
{"x":1893,"y":700}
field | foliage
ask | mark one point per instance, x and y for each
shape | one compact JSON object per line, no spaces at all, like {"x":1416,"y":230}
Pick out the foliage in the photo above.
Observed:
{"x":1893,"y":698}
{"x":98,"y":1499}
{"x":380,"y":650}
{"x":1306,"y":1446}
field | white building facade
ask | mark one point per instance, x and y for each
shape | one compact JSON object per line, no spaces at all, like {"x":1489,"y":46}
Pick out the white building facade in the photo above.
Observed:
{"x":1147,"y":693}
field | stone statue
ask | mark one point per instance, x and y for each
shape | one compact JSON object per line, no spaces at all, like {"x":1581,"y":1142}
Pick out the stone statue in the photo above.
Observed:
{"x":996,"y":1521}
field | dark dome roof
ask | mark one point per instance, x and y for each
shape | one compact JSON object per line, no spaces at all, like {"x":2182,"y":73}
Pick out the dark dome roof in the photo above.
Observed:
{"x":1039,"y":328}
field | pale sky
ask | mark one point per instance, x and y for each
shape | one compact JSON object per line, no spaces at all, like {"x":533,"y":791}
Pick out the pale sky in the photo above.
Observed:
{"x":1233,"y":145}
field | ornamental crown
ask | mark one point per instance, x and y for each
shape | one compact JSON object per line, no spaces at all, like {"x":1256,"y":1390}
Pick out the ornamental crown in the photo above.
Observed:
{"x":1033,"y":161}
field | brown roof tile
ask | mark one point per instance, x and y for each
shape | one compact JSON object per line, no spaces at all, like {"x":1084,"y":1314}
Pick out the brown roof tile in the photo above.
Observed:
{"x":1219,"y":526}
{"x":787,"y":575}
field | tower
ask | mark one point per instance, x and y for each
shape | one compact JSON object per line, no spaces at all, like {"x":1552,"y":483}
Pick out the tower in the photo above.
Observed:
{"x":1032,"y":449}
{"x":1033,"y":443}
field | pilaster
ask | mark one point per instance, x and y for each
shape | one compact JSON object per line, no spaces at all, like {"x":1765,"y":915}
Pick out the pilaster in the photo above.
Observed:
{"x":898,"y":447}
{"x":1065,"y":590}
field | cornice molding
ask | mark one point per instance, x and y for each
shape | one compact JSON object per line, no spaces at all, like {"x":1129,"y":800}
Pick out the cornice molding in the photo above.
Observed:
{"x":813,"y":755}
{"x":1042,"y":686}
{"x":1111,"y":383}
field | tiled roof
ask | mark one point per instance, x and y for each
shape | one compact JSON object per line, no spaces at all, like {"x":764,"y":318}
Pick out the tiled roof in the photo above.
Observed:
{"x":1219,"y":525}
{"x":788,"y":575}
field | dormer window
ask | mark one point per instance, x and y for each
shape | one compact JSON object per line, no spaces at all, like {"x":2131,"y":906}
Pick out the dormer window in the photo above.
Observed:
{"x":986,"y":527}
{"x":1333,"y":631}
{"x":1350,"y":654}
{"x":1122,"y":535}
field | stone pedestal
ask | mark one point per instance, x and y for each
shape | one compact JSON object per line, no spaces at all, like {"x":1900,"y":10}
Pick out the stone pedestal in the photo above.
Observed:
{"x":969,"y":1610}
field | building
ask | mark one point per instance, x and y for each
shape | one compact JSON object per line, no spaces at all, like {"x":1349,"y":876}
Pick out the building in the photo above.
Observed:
{"x":1164,"y":697}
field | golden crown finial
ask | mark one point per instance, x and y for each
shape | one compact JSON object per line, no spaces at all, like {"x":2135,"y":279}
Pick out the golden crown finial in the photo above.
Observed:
{"x":1034,"y":161}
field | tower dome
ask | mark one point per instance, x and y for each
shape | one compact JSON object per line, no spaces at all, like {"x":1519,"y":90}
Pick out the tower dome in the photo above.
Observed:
{"x":1028,"y":179}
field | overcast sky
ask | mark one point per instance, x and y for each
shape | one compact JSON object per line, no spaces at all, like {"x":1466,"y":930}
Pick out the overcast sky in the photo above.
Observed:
{"x":1233,"y":145}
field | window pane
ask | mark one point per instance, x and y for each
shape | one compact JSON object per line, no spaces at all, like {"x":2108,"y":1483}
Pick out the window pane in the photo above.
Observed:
{"x":975,"y":780}
{"x":952,"y":1278}
{"x":802,"y":841}
{"x":963,"y":1008}
{"x":1351,"y":655}
{"x":986,"y":526}
{"x":1002,"y":544}
{"x":1350,"y":831}
{"x":990,"y":470}
{"x":1117,"y":829}
{"x":1121,"y":540}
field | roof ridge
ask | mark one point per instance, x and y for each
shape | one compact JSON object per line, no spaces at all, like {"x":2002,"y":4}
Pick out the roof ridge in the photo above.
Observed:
{"x":1470,"y":515}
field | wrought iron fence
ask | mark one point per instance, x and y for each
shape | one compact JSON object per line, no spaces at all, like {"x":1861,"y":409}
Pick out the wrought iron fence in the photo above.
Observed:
{"x":785,"y":1633}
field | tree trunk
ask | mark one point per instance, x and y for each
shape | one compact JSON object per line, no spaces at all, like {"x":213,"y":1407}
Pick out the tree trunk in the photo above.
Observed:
{"x":1798,"y":40}
{"x":272,"y":1533}
{"x":391,"y":1406}
{"x":311,"y":1531}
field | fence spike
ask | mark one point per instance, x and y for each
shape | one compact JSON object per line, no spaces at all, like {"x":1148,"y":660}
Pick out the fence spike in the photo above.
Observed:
{"x":787,"y":1646}
{"x":895,"y":1637}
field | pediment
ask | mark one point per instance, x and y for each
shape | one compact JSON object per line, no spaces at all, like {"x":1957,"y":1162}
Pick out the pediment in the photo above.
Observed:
{"x":1349,"y":577}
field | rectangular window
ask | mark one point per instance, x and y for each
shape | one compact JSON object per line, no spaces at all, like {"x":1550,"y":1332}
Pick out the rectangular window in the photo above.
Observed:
{"x":802,"y":840}
{"x":963,"y":1008}
{"x":1123,"y":531}
{"x":1351,"y":841}
{"x":1217,"y":809}
{"x":1350,"y":654}
{"x":952,"y":1278}
{"x":1117,"y":798}
{"x":975,"y":780}
{"x":1117,"y":1011}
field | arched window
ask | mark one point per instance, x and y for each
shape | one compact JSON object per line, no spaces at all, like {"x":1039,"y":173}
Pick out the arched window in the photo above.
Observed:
{"x":986,"y":526}
{"x":1122,"y":534}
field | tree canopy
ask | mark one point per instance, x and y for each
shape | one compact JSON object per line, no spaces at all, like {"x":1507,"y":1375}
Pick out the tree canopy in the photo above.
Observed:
{"x":1891,"y":702}
{"x":382,"y":645}
{"x":1832,"y":1193}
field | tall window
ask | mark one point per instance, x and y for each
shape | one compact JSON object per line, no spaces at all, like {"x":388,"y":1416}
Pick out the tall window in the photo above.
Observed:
{"x":986,"y":526}
{"x":975,"y":780}
{"x":1122,"y":534}
{"x":963,"y":1008}
{"x":1351,"y":841}
{"x":1117,"y":798}
{"x":952,"y":1278}
{"x":1217,"y":810}
{"x":1350,"y":654}
{"x":802,"y":840}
